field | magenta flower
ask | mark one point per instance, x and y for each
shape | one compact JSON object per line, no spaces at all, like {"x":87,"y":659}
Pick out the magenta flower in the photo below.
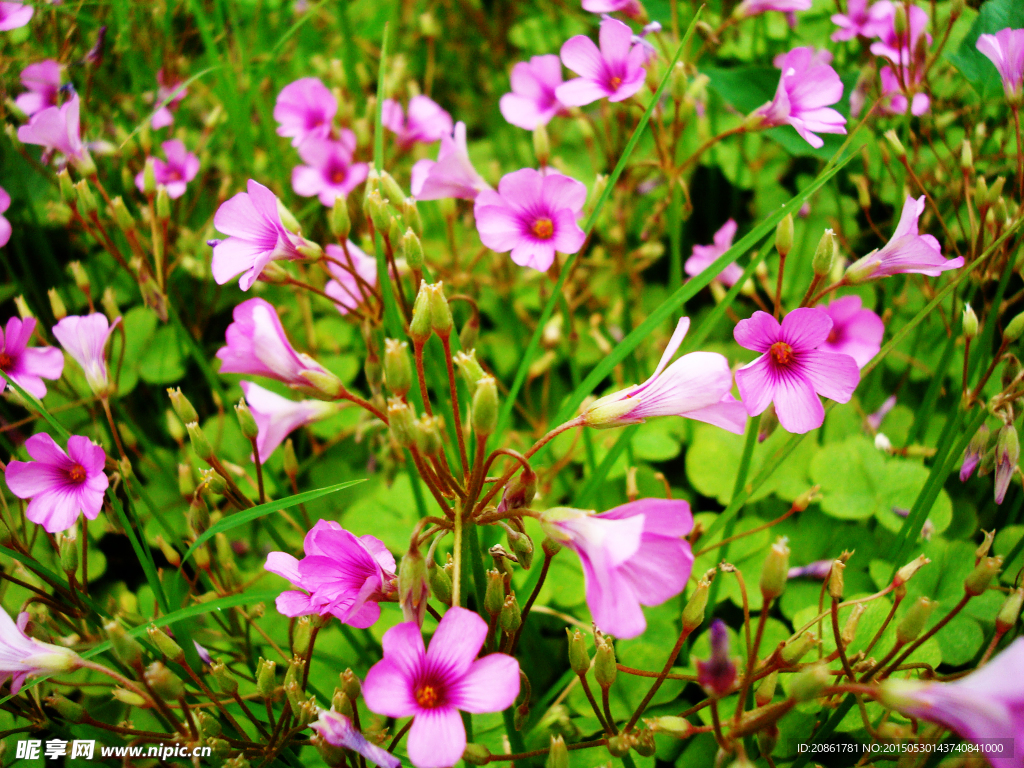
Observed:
{"x":704,"y":255}
{"x":305,"y":109}
{"x":5,"y":226}
{"x":856,"y":331}
{"x":175,"y":91}
{"x":718,"y":674}
{"x":256,"y":237}
{"x":425,"y":122}
{"x":819,"y":570}
{"x":452,"y":175}
{"x":901,"y":48}
{"x":42,"y":80}
{"x":14,"y":15}
{"x":615,"y":72}
{"x":60,"y":485}
{"x":1007,"y":454}
{"x":631,"y":8}
{"x":57,"y":129}
{"x":85,"y":339}
{"x":756,"y":7}
{"x":974,"y":452}
{"x":329,"y":172}
{"x":874,"y":420}
{"x":863,"y":20}
{"x":342,"y":574}
{"x":533,"y":101}
{"x":632,"y":555}
{"x":906,"y":251}
{"x":175,"y":174}
{"x":533,"y":216}
{"x":337,"y":730}
{"x":433,"y":685}
{"x":894,"y":98}
{"x":277,"y":417}
{"x":807,"y":86}
{"x":27,"y":366}
{"x":359,"y":268}
{"x":696,"y":386}
{"x":257,"y":346}
{"x":987,"y":704}
{"x":1005,"y":49}
{"x":792,"y":371}
{"x":22,"y":656}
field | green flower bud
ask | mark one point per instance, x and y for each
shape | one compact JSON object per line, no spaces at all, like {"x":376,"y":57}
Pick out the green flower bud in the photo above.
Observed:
{"x":693,"y":612}
{"x":980,"y":192}
{"x":558,"y":755}
{"x":23,"y":311}
{"x":984,"y":572}
{"x":225,"y":680}
{"x":390,"y":188}
{"x":672,"y":725}
{"x":522,"y":547}
{"x":420,"y":327}
{"x":149,"y":178}
{"x":80,"y":276}
{"x":288,"y":218}
{"x":182,"y":406}
{"x":485,"y":407}
{"x":209,"y":726}
{"x":678,"y":82}
{"x":325,"y":384}
{"x":266,"y":678}
{"x":163,"y":642}
{"x":904,"y":574}
{"x":401,"y":422}
{"x":511,"y":617}
{"x":809,"y":683}
{"x":377,"y":209}
{"x":340,"y":221}
{"x":784,"y":236}
{"x":470,"y":369}
{"x":605,"y":668}
{"x":427,"y":434}
{"x":795,"y":649}
{"x":213,"y":481}
{"x":411,"y":217}
{"x":67,"y":187}
{"x":618,"y":746}
{"x":246,"y":422}
{"x":996,"y":190}
{"x":894,"y":141}
{"x":914,"y":620}
{"x":440,"y":313}
{"x":163,"y":204}
{"x":825,"y":254}
{"x":476,"y":754}
{"x":164,"y":682}
{"x":643,"y":742}
{"x":200,"y":444}
{"x":397,"y":366}
{"x":768,"y":739}
{"x":835,"y":580}
{"x":86,"y":199}
{"x":68,"y":549}
{"x":126,"y":648}
{"x":290,"y":462}
{"x":765,"y":691}
{"x":301,"y":635}
{"x":966,"y":156}
{"x":494,"y":596}
{"x":775,"y":570}
{"x":970,"y":322}
{"x":579,"y":659}
{"x":1014,"y":328}
{"x":237,"y":762}
{"x":413,"y":249}
{"x":850,"y":627}
{"x":69,"y":710}
{"x":1008,"y":614}
{"x":121,"y":215}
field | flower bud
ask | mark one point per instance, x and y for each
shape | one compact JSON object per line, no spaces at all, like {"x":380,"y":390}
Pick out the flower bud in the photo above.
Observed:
{"x":643,"y":742}
{"x":768,"y":423}
{"x":324,"y":383}
{"x":522,"y":547}
{"x":970,"y":322}
{"x":377,"y":209}
{"x":149,"y":178}
{"x":164,"y":683}
{"x":984,"y":572}
{"x":67,"y":187}
{"x":825,"y":254}
{"x":1010,"y":611}
{"x":1014,"y":328}
{"x":605,"y":667}
{"x":693,"y":612}
{"x":163,"y":642}
{"x":109,"y":302}
{"x":339,"y":219}
{"x":784,"y":236}
{"x":69,"y":710}
{"x":420,"y":326}
{"x":809,"y":683}
{"x":470,"y":369}
{"x":672,"y":725}
{"x":996,"y":190}
{"x":558,"y":755}
{"x":209,"y":726}
{"x":795,"y":649}
{"x":413,"y":249}
{"x":266,"y":678}
{"x":775,"y":570}
{"x":86,"y":199}
{"x":966,"y":156}
{"x":200,"y":444}
{"x":913,"y":621}
{"x":768,"y":739}
{"x":476,"y":754}
{"x":494,"y":596}
{"x":511,"y":617}
{"x":835,"y":580}
{"x":440,"y":314}
{"x":427,"y":434}
{"x":225,"y":680}
{"x":579,"y":659}
{"x":485,"y":407}
{"x":302,"y":634}
{"x":765,"y":691}
{"x":618,"y":746}
{"x":390,"y":188}
{"x":718,"y":674}
{"x":904,"y":574}
{"x":246,"y":422}
{"x":980,"y":192}
{"x":413,"y":589}
{"x":126,"y":648}
{"x":68,"y":551}
{"x":163,"y":204}
{"x":401,"y":422}
{"x":411,"y":217}
{"x":397,"y":367}
{"x":541,"y":145}
{"x":894,"y":140}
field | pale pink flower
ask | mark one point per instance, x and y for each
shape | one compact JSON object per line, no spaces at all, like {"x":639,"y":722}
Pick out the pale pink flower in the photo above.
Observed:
{"x":704,"y":255}
{"x":329,"y":172}
{"x":819,"y":570}
{"x":344,"y":288}
{"x":175,"y":91}
{"x":5,"y":226}
{"x":257,"y":346}
{"x":696,"y":386}
{"x":84,"y":337}
{"x":907,"y":251}
{"x":277,"y":417}
{"x":42,"y":80}
{"x":874,"y":420}
{"x":756,"y":7}
{"x":341,"y":574}
{"x":174,"y":174}
{"x":425,"y":122}
{"x":903,"y":48}
{"x":256,"y":237}
{"x":1005,"y":49}
{"x":57,"y":129}
{"x":985,"y":705}
{"x":632,"y":555}
{"x":631,"y":8}
{"x":856,"y":331}
{"x":61,"y":485}
{"x":533,"y":216}
{"x":806,"y":89}
{"x":615,"y":72}
{"x":22,"y":656}
{"x":533,"y":101}
{"x":433,"y":685}
{"x":305,"y":109}
{"x":792,"y":369}
{"x":27,"y":366}
{"x":894,"y":100}
{"x":337,"y":730}
{"x":452,"y":175}
{"x":863,"y":19}
{"x":14,"y":15}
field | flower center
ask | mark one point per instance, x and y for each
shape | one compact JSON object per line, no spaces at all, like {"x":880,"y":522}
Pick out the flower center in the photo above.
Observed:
{"x":833,"y":336}
{"x":781,"y":353}
{"x":543,"y":228}
{"x":77,"y":473}
{"x":427,"y":696}
{"x":614,"y":83}
{"x":338,"y":176}
{"x":5,"y":361}
{"x":173,"y":175}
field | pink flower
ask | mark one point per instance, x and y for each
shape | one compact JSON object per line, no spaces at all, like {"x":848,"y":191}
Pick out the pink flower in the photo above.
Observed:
{"x":425,"y":122}
{"x":329,"y":172}
{"x":863,"y":20}
{"x":856,"y":332}
{"x":175,"y":92}
{"x":894,"y":100}
{"x":85,"y":339}
{"x":806,"y":88}
{"x":277,"y":417}
{"x":533,"y":101}
{"x":874,"y":420}
{"x":974,"y":452}
{"x":42,"y":80}
{"x":1005,"y":49}
{"x":632,"y":555}
{"x":907,"y":251}
{"x":1006,"y":457}
{"x":344,"y":288}
{"x":22,"y":656}
{"x":819,"y":570}
{"x":533,"y":216}
{"x":305,"y":109}
{"x":704,"y":255}
{"x":337,"y":730}
{"x":452,"y":175}
{"x":26,"y":365}
{"x":256,"y":236}
{"x":718,"y":674}
{"x":175,"y":174}
{"x":342,"y":575}
{"x":616,"y":71}
{"x":60,"y":485}
{"x":792,"y":371}
{"x":757,"y":7}
{"x":987,"y":704}
{"x":57,"y":129}
{"x":902,"y":48}
{"x":14,"y":15}
{"x":5,"y":226}
{"x":695,"y":386}
{"x":631,"y":8}
{"x":257,"y":346}
{"x":431,"y":686}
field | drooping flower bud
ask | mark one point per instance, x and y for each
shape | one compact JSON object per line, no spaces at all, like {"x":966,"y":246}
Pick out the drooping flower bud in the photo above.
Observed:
{"x":775,"y":570}
{"x":718,"y":674}
{"x":126,"y":648}
{"x":165,"y":644}
{"x":768,"y":423}
{"x":914,"y":620}
{"x":440,"y":583}
{"x":413,"y":590}
{"x":1007,"y":454}
{"x":809,"y":683}
{"x":795,"y":649}
{"x":522,"y":547}
{"x":693,"y":612}
{"x":974,"y":451}
{"x":1008,"y":614}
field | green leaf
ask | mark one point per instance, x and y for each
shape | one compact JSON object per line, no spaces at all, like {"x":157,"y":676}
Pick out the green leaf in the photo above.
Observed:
{"x":162,"y":361}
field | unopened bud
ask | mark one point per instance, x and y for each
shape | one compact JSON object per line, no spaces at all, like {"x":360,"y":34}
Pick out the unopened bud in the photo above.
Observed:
{"x":440,"y":314}
{"x":1014,"y":328}
{"x":825,"y":253}
{"x":149,"y":178}
{"x":413,"y":249}
{"x":420,"y":327}
{"x":225,"y":680}
{"x":1008,"y":614}
{"x":618,"y":746}
{"x":340,"y":221}
{"x":209,"y":726}
{"x":109,"y":302}
{"x":980,"y":192}
{"x":401,"y":422}
{"x":693,"y":613}
{"x":718,"y":674}
{"x":67,"y":187}
{"x":795,"y":649}
{"x":768,"y":423}
{"x":397,"y":367}
{"x":970,"y":322}
{"x":69,"y":710}
{"x":605,"y":667}
{"x":895,"y":143}
{"x":485,"y":407}
{"x":904,"y":574}
{"x":558,"y":755}
{"x":996,"y":190}
{"x":476,"y":754}
{"x":390,"y":188}
{"x":377,"y":210}
{"x":541,"y":145}
{"x":579,"y":659}
{"x":511,"y":617}
{"x":126,"y":648}
{"x":182,"y":406}
{"x":809,"y":683}
{"x":966,"y":156}
{"x":835,"y":580}
{"x":522,"y":547}
{"x":200,"y":444}
{"x":852,"y":621}
{"x":290,"y":462}
{"x":914,"y":620}
{"x":266,"y":678}
{"x":427,"y":434}
{"x":984,"y":572}
{"x":164,"y":682}
{"x":247,"y":423}
{"x":494,"y":596}
{"x":765,"y":691}
{"x":163,"y":204}
{"x":784,"y":236}
{"x":86,"y":199}
{"x":411,"y":216}
{"x":163,"y":642}
{"x":775,"y":570}
{"x":440,"y":583}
